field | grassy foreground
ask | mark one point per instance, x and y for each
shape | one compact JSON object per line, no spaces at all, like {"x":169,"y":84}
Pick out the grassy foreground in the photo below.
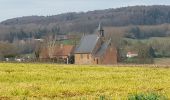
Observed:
{"x":83,"y":82}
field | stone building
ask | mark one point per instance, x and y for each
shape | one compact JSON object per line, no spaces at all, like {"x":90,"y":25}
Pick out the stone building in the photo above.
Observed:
{"x":95,"y":49}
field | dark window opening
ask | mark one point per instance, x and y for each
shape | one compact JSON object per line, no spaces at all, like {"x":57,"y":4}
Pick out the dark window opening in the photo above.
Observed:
{"x":97,"y":61}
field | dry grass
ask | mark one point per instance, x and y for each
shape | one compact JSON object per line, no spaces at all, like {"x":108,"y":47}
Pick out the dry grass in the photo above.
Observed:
{"x":162,"y":61}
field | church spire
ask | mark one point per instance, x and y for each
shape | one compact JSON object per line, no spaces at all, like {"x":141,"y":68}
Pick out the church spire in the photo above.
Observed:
{"x":100,"y":30}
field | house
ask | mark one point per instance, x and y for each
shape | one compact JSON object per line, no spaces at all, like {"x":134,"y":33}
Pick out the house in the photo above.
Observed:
{"x":95,"y":49}
{"x":64,"y":52}
{"x":131,"y":54}
{"x":60,"y":52}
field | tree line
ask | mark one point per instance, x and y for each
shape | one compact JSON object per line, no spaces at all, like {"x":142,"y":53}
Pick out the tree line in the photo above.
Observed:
{"x":84,"y":22}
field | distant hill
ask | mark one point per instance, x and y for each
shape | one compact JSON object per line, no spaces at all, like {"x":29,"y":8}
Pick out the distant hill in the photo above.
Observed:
{"x":83,"y":22}
{"x":138,"y":15}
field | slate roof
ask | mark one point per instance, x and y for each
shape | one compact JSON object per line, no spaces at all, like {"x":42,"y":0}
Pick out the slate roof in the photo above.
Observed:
{"x":87,"y":44}
{"x":103,"y":48}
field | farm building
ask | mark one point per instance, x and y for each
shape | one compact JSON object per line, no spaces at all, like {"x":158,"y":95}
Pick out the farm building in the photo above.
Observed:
{"x":131,"y":54}
{"x":95,"y":49}
{"x":60,"y":52}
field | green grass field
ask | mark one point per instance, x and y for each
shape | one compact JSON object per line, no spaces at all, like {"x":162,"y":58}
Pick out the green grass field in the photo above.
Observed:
{"x":82,"y":82}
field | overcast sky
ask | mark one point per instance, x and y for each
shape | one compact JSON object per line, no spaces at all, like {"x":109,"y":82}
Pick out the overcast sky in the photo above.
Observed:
{"x":19,"y":8}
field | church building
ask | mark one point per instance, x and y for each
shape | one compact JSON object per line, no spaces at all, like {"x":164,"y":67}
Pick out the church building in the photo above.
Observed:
{"x":96,"y":49}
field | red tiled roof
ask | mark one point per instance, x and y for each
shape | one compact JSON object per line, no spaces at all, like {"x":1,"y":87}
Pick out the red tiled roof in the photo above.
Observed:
{"x":64,"y":50}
